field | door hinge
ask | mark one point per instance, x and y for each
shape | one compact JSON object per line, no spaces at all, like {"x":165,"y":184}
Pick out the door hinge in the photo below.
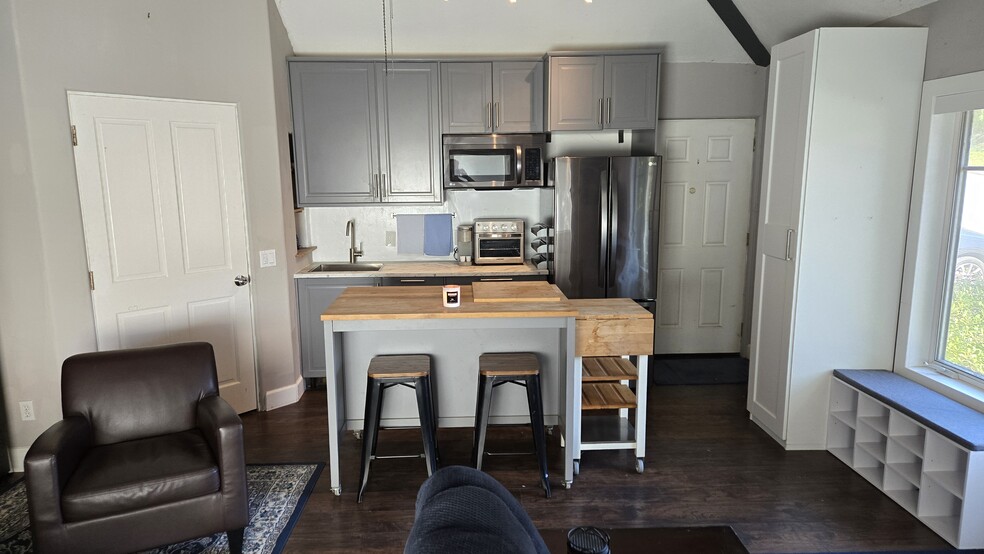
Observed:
{"x":741,"y":329}
{"x":748,"y":237}
{"x":92,"y":281}
{"x":75,"y":137}
{"x":754,"y":142}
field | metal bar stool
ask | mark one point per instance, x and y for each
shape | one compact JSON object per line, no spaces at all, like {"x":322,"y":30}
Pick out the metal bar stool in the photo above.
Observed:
{"x":411,"y":371}
{"x":520,"y":368}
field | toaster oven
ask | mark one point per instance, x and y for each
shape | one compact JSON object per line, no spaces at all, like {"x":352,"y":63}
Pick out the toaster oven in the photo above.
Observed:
{"x":498,"y":241}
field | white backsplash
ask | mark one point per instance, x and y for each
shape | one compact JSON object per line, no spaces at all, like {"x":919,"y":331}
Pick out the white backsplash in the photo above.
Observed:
{"x":326,"y":226}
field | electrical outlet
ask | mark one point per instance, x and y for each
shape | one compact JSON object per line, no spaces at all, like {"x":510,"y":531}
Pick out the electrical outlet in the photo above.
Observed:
{"x":27,"y":411}
{"x":390,"y":238}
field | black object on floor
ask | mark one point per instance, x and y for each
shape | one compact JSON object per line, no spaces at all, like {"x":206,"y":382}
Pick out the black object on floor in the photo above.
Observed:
{"x":720,"y":539}
{"x":697,"y":369}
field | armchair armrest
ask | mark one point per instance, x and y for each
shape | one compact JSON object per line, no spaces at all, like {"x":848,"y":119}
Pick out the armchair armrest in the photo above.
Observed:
{"x":50,"y":462}
{"x":223,"y":430}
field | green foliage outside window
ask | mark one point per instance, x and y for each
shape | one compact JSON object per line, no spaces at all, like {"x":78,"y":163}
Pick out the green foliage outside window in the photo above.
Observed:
{"x":965,"y":339}
{"x":976,"y":154}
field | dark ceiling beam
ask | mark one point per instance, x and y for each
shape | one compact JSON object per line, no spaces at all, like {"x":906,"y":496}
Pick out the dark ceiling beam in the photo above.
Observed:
{"x":741,"y":30}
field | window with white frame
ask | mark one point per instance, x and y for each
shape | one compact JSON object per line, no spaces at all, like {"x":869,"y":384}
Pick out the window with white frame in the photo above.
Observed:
{"x":961,"y":341}
{"x":940,"y":340}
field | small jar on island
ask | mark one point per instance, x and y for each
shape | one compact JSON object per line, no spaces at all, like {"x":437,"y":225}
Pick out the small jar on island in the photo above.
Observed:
{"x":452,"y":296}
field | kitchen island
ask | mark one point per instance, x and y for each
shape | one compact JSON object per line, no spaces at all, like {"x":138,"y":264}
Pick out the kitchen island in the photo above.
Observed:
{"x":370,"y":321}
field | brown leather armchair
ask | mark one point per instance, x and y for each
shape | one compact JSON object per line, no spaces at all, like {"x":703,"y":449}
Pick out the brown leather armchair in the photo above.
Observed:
{"x":147,"y":454}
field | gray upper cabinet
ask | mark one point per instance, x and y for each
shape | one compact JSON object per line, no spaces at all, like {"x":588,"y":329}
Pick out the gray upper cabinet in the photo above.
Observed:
{"x":591,"y":93}
{"x":363,"y":134}
{"x":334,"y":109}
{"x":410,"y":142}
{"x":492,"y":97}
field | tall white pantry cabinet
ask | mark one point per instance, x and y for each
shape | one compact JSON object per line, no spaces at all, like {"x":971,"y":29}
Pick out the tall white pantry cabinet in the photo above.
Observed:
{"x":837,"y":173}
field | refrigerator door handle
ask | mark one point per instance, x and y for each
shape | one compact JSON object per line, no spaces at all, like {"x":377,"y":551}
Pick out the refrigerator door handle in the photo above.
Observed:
{"x":613,"y":233}
{"x":603,"y":252}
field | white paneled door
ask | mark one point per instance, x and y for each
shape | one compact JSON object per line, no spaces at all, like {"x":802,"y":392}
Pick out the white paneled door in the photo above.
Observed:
{"x":704,"y":213}
{"x":161,"y":189}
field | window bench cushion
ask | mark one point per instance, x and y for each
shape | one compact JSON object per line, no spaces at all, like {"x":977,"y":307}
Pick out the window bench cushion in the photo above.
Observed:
{"x":962,"y":425}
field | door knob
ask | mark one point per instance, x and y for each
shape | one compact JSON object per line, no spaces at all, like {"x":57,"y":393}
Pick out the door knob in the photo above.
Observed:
{"x":241,"y":280}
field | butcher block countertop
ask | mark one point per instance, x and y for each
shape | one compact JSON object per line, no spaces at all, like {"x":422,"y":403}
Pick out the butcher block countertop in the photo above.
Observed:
{"x":610,"y":308}
{"x":424,"y":302}
{"x":427,"y":269}
{"x":528,"y":291}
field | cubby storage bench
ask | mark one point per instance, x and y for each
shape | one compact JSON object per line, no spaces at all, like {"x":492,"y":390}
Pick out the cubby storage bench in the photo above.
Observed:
{"x":922,"y":449}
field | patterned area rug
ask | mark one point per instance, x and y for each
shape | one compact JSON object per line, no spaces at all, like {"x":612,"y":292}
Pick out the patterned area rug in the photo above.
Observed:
{"x":277,"y":494}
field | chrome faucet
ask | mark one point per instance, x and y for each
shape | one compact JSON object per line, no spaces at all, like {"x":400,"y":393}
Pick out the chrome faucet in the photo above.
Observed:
{"x":350,"y":232}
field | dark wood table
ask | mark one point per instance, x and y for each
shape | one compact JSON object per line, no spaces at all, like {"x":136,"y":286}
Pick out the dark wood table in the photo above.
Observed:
{"x":712,"y":539}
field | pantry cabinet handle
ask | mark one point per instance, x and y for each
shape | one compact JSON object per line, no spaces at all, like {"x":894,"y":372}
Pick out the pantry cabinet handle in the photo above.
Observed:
{"x":490,"y":115}
{"x":601,"y":111}
{"x":608,"y":105}
{"x":497,"y":114}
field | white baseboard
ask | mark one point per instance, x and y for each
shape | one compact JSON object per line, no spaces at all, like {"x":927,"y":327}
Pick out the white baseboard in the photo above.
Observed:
{"x":285,"y":396}
{"x":16,"y":455}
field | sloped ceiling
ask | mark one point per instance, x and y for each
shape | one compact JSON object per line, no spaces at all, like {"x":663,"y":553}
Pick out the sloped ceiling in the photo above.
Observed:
{"x":686,"y":30}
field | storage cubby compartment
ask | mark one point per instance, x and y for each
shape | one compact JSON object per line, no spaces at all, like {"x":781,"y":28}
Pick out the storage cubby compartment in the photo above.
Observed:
{"x":870,"y":467}
{"x":940,"y":510}
{"x":873,"y":413}
{"x":945,"y":464}
{"x":900,"y":489}
{"x":843,"y":403}
{"x":870,"y":439}
{"x":840,"y":440}
{"x":907,"y":433}
{"x":904,"y":462}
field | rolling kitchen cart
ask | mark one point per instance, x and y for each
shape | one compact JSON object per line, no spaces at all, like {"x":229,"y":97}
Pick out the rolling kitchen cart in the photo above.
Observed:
{"x":609,"y":332}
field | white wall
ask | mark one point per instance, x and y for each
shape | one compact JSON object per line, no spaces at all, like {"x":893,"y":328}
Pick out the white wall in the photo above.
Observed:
{"x":219,"y":51}
{"x":955,"y":46}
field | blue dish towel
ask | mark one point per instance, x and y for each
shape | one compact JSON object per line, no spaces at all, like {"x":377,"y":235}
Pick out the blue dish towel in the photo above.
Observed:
{"x":409,"y":234}
{"x":437,"y":234}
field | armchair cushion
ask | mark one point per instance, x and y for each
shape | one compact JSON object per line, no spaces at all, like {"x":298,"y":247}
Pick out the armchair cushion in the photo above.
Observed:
{"x":129,"y":476}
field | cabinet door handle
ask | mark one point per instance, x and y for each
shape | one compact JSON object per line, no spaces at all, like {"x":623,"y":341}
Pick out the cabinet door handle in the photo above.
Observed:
{"x":601,"y":111}
{"x":497,"y":113}
{"x":412,"y":281}
{"x":496,"y":279}
{"x":372,"y":184}
{"x":789,"y":244}
{"x":608,"y":105}
{"x":382,"y":185}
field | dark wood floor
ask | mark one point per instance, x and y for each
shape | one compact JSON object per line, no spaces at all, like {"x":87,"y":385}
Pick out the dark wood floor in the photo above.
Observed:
{"x":706,"y":464}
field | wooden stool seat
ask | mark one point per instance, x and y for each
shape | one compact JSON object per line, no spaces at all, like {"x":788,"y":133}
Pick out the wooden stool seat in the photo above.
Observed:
{"x":505,"y":364}
{"x":401,"y":365}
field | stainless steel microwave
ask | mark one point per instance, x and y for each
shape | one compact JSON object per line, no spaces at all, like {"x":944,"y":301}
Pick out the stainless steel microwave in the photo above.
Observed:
{"x":493,"y":161}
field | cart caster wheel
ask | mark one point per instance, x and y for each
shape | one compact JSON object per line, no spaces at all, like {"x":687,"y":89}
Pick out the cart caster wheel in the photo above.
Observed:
{"x":550,"y":430}
{"x":357,"y":435}
{"x":567,"y":485}
{"x":640,"y":466}
{"x":577,"y":467}
{"x":337,"y":491}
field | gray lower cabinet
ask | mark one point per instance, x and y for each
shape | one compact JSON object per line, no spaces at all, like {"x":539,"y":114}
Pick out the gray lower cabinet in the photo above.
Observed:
{"x":470,"y":280}
{"x":592,"y":93}
{"x":410,"y":281}
{"x":365,"y":132}
{"x":313,"y":297}
{"x":492,"y":97}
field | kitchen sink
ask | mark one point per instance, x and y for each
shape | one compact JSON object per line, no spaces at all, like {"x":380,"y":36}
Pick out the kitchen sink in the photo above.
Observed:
{"x":323,"y":268}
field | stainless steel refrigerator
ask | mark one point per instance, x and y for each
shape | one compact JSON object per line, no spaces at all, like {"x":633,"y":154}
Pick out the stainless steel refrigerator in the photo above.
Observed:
{"x":606,"y":226}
